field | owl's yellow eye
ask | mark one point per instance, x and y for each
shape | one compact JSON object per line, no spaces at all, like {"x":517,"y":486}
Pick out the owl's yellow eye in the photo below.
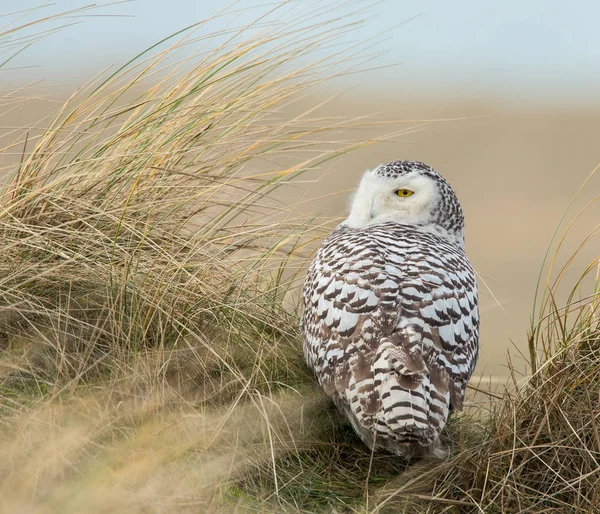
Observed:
{"x":404,"y":192}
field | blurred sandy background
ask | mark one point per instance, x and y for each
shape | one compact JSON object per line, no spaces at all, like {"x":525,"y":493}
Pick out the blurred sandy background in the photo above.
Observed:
{"x":515,"y":171}
{"x":515,"y":145}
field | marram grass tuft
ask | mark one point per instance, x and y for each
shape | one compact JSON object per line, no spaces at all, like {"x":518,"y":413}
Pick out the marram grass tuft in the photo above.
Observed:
{"x":149,"y":360}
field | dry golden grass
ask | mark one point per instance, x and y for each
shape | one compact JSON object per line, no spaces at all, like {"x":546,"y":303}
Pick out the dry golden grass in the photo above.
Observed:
{"x":148,"y":363}
{"x":146,"y":355}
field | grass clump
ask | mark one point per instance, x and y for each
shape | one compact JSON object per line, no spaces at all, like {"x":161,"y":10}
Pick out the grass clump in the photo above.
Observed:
{"x":147,"y":353}
{"x":142,"y":218}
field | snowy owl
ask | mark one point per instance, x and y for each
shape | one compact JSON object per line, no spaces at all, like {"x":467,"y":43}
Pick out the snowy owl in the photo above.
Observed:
{"x":390,"y":325}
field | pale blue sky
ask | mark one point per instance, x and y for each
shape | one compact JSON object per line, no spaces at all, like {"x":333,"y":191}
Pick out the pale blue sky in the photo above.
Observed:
{"x":544,"y":51}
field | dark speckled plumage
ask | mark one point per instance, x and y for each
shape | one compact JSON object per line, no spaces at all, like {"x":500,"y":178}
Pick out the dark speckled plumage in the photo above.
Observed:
{"x":390,"y":323}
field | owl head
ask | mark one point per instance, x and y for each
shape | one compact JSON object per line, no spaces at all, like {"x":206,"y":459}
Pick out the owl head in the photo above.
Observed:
{"x":411,"y":193}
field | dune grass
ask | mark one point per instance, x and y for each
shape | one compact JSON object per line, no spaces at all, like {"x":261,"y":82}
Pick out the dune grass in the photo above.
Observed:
{"x":150,"y":358}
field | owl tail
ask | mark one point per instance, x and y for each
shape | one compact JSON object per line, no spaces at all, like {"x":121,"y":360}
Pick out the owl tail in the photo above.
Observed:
{"x":389,"y":393}
{"x":400,"y":376}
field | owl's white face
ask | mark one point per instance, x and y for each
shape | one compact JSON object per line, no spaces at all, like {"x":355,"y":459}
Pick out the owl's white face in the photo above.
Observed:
{"x":408,"y":198}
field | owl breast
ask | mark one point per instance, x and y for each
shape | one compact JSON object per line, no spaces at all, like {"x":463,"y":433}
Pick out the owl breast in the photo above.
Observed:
{"x":390,"y":328}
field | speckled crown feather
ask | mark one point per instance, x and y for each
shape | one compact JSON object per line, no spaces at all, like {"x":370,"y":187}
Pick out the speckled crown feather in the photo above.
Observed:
{"x":447,"y":213}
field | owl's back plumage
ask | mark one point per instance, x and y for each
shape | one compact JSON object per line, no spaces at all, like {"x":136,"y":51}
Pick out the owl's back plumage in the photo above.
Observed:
{"x":390,"y":325}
